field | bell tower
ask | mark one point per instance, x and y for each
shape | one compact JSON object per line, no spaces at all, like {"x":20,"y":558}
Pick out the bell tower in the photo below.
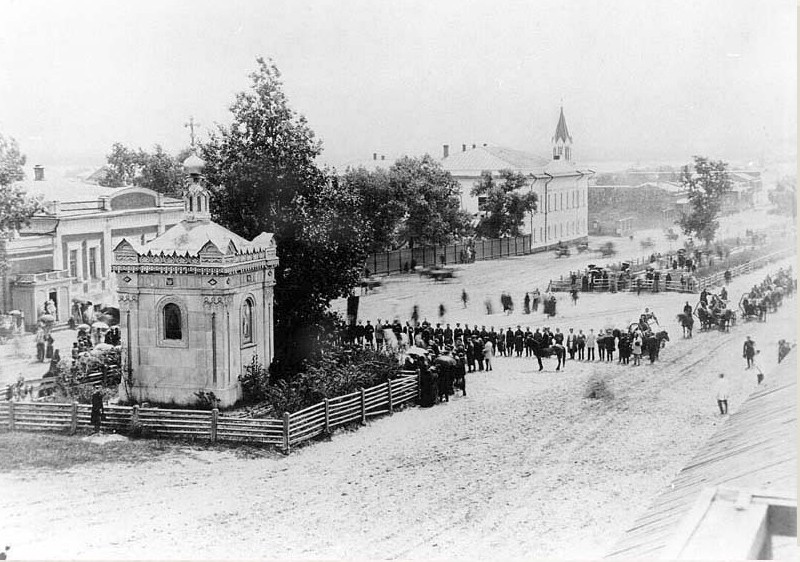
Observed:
{"x":562,"y":141}
{"x":196,"y":197}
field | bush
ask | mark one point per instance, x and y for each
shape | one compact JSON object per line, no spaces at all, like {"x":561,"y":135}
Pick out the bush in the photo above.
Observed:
{"x":335,"y":373}
{"x":598,"y":389}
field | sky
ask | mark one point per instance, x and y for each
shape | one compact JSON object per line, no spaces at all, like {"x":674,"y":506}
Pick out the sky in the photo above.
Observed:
{"x":638,"y":79}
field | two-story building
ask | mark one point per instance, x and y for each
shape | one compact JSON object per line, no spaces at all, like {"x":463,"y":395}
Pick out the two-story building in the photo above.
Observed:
{"x":65,"y":253}
{"x":561,"y":186}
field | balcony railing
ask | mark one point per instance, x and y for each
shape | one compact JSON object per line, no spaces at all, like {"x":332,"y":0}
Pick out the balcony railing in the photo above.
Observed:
{"x":30,"y":278}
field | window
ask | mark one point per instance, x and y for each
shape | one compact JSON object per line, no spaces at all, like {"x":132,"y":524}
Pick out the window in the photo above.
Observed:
{"x":482,"y":202}
{"x":93,"y":263}
{"x":172,"y":322}
{"x":73,"y":263}
{"x":247,"y":322}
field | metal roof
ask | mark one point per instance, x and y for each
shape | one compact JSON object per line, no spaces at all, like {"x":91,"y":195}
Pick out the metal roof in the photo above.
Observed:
{"x":756,"y":449}
{"x":493,"y":158}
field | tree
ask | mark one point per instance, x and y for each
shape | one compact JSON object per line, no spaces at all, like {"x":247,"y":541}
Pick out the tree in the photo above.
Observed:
{"x":16,"y":206}
{"x":706,"y":183}
{"x":431,"y":197}
{"x":506,"y":203}
{"x":11,"y":161}
{"x":784,"y":196}
{"x":381,"y":207}
{"x":158,"y":170}
{"x":264,"y":166}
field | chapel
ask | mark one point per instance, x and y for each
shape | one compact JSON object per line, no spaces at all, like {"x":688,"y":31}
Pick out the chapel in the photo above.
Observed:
{"x":196,"y":304}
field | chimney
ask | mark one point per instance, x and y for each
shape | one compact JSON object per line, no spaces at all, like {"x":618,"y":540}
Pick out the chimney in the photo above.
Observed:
{"x":474,"y":145}
{"x":445,"y":150}
{"x":374,"y":155}
{"x":38,"y":172}
{"x":463,"y":148}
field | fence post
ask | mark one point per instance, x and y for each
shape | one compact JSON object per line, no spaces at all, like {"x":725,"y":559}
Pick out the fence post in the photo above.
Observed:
{"x":135,"y":416}
{"x":286,"y":433}
{"x":363,"y":408}
{"x":327,"y":415}
{"x":214,"y":419}
{"x":73,"y":425}
{"x":11,"y":416}
{"x":389,"y":393}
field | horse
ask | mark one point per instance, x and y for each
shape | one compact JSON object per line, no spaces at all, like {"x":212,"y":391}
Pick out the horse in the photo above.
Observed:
{"x":557,"y":350}
{"x":652,"y":344}
{"x":687,"y":322}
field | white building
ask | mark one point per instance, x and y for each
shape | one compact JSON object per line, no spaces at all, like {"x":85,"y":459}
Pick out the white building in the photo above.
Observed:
{"x":195,"y":304}
{"x":561,"y":186}
{"x":66,"y":251}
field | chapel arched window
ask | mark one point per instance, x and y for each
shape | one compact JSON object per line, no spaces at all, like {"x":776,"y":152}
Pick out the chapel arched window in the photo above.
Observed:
{"x":172,"y":322}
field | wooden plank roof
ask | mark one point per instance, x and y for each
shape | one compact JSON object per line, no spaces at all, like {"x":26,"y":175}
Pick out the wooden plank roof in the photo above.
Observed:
{"x":756,"y":449}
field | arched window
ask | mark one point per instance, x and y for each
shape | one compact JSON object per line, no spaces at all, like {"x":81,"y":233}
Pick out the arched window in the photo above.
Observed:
{"x":172,"y":322}
{"x":247,"y":321}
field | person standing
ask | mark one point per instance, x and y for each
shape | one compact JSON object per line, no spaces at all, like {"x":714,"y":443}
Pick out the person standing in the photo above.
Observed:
{"x":488,"y":352}
{"x":572,"y":343}
{"x":464,"y":297}
{"x":637,"y":348}
{"x":526,"y":304}
{"x":97,"y":407}
{"x":591,"y":340}
{"x":581,"y":341}
{"x":723,"y":392}
{"x":40,"y":342}
{"x":749,"y":351}
{"x":784,"y":348}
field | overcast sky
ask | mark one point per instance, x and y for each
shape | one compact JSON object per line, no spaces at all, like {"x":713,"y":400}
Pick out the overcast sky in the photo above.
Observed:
{"x":638,"y":79}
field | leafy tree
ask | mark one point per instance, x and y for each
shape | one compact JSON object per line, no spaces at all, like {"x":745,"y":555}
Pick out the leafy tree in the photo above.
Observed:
{"x":264,"y":165}
{"x":16,"y":206}
{"x":506,"y":203}
{"x":431,"y":197}
{"x":382,"y":208}
{"x":784,"y":196}
{"x":158,"y":170}
{"x":706,"y":183}
{"x":11,"y":161}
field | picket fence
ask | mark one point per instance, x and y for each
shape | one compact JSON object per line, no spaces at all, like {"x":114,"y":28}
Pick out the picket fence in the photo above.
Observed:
{"x":285,"y":433}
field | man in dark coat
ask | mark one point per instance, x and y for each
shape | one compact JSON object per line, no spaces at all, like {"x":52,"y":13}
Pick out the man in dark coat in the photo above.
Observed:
{"x":448,"y":335}
{"x":97,"y":407}
{"x":519,"y":341}
{"x":458,"y":332}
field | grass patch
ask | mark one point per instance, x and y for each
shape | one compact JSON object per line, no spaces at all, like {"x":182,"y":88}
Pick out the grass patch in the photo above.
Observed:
{"x":51,"y":451}
{"x":59,"y":452}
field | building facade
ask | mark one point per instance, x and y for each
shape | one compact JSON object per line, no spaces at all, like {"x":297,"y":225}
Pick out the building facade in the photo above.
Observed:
{"x":65,"y":253}
{"x":195,"y":304}
{"x":561,"y":186}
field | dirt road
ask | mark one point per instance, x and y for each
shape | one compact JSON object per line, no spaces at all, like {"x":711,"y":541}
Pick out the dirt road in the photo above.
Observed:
{"x":522,"y":467}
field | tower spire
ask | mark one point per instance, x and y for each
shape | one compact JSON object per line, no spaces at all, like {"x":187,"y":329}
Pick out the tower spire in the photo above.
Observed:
{"x":562,"y":140}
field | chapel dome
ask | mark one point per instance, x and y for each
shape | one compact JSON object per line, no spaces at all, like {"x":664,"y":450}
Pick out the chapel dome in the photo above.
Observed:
{"x":193,"y":164}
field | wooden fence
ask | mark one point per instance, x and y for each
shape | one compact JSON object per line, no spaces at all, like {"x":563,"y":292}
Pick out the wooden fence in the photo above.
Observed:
{"x":613,"y":284}
{"x":395,"y":261}
{"x":287,"y":432}
{"x":113,"y":375}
